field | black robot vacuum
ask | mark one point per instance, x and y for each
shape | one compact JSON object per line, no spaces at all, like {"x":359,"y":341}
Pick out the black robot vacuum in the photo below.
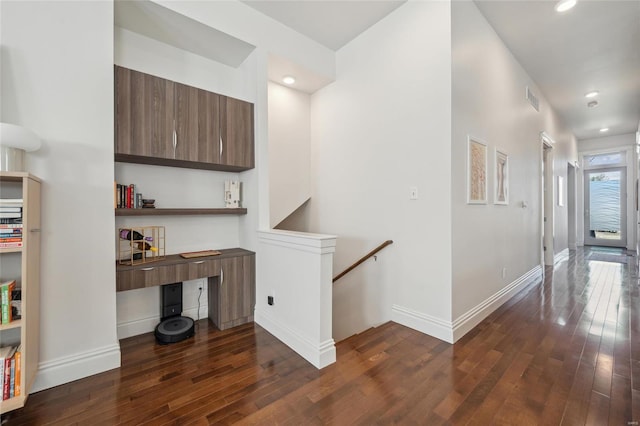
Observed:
{"x":173,"y":327}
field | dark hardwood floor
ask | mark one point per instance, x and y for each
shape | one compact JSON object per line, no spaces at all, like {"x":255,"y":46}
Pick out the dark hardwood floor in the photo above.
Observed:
{"x":566,"y":351}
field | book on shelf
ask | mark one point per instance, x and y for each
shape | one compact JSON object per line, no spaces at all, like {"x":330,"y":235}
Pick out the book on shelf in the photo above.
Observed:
{"x":127,"y":196}
{"x":10,"y":240}
{"x":6,"y":292}
{"x":17,"y":244}
{"x":9,"y":352}
{"x":10,"y":220}
{"x":18,"y":373}
{"x":4,"y":209}
{"x":11,"y":202}
{"x":18,"y":226}
{"x":10,"y":215}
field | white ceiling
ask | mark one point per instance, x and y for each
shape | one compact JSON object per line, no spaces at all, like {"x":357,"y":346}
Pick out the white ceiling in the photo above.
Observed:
{"x":594,"y":46}
{"x":330,"y":23}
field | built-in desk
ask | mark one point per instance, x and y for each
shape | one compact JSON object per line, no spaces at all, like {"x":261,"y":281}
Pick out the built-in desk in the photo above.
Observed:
{"x":231,"y":281}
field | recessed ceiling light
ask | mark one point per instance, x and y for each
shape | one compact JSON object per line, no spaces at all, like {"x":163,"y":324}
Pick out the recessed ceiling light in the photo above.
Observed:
{"x":592,"y":104}
{"x":604,"y":129}
{"x":564,"y":5}
{"x":591,"y":94}
{"x":287,"y":79}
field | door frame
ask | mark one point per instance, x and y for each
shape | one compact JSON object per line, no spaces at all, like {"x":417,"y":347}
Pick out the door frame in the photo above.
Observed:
{"x":622,"y":242}
{"x":546,"y":200}
{"x":572,"y":210}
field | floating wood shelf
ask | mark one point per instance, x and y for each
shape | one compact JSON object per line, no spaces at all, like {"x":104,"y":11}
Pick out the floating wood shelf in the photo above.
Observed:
{"x":178,"y":212}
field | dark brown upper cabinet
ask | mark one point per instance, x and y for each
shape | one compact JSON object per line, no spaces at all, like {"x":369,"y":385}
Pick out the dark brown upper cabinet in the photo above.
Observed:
{"x":237,"y":132}
{"x":166,"y":123}
{"x":144,"y":114}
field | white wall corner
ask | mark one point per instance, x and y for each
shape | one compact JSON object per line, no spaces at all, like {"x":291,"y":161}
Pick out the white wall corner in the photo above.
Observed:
{"x":318,"y":354}
{"x":67,"y":369}
{"x":423,"y":323}
{"x":465,"y":322}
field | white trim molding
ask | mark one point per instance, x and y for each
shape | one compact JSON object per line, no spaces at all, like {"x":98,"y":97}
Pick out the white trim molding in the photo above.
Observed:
{"x":465,"y":322}
{"x":319,"y":355}
{"x":69,"y":368}
{"x":427,"y":324}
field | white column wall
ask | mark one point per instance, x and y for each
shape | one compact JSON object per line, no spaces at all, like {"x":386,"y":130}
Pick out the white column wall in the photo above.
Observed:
{"x":57,"y":80}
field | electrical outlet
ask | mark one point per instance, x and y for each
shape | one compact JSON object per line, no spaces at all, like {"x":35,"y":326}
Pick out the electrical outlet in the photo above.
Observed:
{"x":413,"y":192}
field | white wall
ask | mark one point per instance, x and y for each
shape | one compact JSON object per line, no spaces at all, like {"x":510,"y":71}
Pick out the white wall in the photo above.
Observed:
{"x":489,"y":103}
{"x":380,"y":128}
{"x":626,"y":143}
{"x":57,"y":79}
{"x":289,"y":151}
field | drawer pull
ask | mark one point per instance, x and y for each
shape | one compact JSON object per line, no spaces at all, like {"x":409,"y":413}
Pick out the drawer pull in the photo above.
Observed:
{"x":198,"y":262}
{"x":148,"y":269}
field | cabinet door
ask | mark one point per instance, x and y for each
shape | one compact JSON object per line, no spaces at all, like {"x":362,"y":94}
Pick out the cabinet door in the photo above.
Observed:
{"x":197,"y":125}
{"x":144,"y":113}
{"x":237,"y":132}
{"x":234,"y":292}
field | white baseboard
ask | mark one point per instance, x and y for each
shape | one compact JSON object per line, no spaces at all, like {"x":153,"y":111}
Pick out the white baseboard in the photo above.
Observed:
{"x":573,"y":246}
{"x":423,"y":323}
{"x":318,"y":354}
{"x":67,"y":369}
{"x":465,"y":322}
{"x":147,"y":325}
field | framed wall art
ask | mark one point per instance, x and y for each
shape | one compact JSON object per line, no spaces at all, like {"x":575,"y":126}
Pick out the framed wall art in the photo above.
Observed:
{"x":476,"y":171}
{"x":501,"y":178}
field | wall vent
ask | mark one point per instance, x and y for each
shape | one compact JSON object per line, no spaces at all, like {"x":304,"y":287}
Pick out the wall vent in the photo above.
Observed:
{"x":533,"y":100}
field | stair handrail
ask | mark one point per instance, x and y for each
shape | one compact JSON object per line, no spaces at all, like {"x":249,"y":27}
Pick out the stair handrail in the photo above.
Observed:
{"x":362,"y":260}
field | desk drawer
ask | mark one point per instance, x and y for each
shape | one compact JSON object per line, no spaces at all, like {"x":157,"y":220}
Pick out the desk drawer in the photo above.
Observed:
{"x":148,"y":276}
{"x":202,"y":269}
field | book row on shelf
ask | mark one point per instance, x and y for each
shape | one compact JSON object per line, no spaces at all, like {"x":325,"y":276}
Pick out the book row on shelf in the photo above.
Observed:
{"x":10,"y":223}
{"x":10,"y":302}
{"x":11,"y":371}
{"x":126,"y":196}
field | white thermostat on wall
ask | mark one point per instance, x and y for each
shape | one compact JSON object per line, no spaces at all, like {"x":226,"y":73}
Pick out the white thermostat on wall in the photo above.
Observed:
{"x":232,"y":194}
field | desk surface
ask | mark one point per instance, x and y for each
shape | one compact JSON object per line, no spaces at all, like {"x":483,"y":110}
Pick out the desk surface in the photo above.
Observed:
{"x":175,"y":259}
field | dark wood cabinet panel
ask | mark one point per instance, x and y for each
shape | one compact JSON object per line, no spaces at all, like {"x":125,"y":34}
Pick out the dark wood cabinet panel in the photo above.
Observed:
{"x":197,"y":125}
{"x":144,"y":114}
{"x":165,"y":123}
{"x":237,"y":132}
{"x":232,"y":293}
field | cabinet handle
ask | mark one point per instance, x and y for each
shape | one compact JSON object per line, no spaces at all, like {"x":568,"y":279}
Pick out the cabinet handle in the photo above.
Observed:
{"x":220,"y":146}
{"x":175,"y":142}
{"x":221,"y":276}
{"x":34,"y":230}
{"x":198,"y":262}
{"x":148,"y":269}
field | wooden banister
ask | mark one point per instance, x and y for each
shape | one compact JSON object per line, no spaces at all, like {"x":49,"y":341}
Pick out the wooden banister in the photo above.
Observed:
{"x":362,"y":259}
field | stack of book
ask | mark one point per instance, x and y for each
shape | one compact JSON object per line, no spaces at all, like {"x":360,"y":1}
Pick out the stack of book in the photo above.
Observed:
{"x":126,"y":196}
{"x":11,"y":371}
{"x":10,"y":223}
{"x":6,"y":298}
